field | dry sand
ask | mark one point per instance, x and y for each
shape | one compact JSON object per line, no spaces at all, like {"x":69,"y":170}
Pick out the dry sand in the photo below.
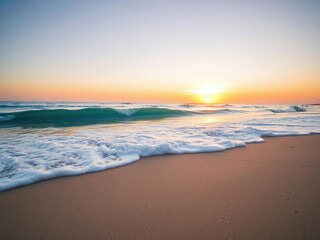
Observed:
{"x":262,"y":191}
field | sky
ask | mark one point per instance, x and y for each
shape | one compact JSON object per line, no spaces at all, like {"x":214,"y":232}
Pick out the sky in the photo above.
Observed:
{"x":160,"y":51}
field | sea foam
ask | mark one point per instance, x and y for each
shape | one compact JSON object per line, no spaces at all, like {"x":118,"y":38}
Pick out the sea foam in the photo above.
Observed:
{"x":31,"y":154}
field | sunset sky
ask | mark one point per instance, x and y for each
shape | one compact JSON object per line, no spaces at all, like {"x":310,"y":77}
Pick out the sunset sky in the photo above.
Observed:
{"x":160,"y":51}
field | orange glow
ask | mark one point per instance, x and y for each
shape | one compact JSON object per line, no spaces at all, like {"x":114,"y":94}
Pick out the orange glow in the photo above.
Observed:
{"x":274,"y":95}
{"x":212,"y":93}
{"x":64,"y":92}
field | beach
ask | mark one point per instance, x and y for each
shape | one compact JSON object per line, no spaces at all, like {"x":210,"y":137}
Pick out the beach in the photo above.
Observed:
{"x":267,"y":190}
{"x":160,"y":120}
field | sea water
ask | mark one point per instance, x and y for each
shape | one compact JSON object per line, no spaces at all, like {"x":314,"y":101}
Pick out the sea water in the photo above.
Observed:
{"x":43,"y":140}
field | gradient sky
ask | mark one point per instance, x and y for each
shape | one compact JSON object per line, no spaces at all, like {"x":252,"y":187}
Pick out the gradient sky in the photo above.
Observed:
{"x":160,"y":51}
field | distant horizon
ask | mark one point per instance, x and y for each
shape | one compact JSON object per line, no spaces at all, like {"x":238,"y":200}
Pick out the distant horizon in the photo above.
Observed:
{"x":125,"y":102}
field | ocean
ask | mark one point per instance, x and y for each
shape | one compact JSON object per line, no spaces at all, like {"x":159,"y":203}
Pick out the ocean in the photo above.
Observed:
{"x":44,"y":140}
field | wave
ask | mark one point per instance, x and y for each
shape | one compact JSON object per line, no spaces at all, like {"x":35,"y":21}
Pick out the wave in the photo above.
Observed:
{"x":98,"y":115}
{"x":290,"y":109}
{"x":103,"y":115}
{"x":221,"y":111}
{"x":48,"y":105}
{"x":66,"y":117}
{"x":20,"y":106}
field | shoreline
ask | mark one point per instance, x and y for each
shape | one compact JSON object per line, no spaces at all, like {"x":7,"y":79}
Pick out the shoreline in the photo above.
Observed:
{"x":266,"y":190}
{"x":160,"y":155}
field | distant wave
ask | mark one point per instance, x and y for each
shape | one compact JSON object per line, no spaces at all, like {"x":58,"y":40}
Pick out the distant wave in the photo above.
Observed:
{"x":46,"y":105}
{"x":20,"y":106}
{"x":290,"y":109}
{"x":213,"y":105}
{"x":221,"y":111}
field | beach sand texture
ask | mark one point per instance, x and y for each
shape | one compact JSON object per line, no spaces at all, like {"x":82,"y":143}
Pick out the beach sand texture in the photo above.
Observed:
{"x":262,"y":191}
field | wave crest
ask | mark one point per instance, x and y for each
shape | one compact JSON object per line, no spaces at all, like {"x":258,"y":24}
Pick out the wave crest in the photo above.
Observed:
{"x":65,"y":117}
{"x":290,"y":109}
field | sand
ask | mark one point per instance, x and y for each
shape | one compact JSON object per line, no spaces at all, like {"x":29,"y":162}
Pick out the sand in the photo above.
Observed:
{"x":262,"y":191}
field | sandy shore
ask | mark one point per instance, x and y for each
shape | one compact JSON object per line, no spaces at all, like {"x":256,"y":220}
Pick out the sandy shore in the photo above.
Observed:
{"x":262,"y":191}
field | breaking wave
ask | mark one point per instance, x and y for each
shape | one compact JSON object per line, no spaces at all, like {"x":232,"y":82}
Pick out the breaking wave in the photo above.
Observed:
{"x":290,"y":109}
{"x":66,"y":117}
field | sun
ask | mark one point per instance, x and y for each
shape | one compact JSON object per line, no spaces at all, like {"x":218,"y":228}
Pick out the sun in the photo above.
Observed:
{"x":208,"y":99}
{"x":208,"y":94}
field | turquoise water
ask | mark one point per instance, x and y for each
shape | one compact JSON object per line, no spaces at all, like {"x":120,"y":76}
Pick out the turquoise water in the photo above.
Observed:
{"x":86,"y":116}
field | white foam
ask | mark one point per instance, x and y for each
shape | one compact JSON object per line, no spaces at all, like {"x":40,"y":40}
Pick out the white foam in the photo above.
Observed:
{"x":127,"y":112}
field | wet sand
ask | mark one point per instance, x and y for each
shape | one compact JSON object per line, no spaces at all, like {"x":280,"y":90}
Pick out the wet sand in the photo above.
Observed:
{"x":262,"y":191}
